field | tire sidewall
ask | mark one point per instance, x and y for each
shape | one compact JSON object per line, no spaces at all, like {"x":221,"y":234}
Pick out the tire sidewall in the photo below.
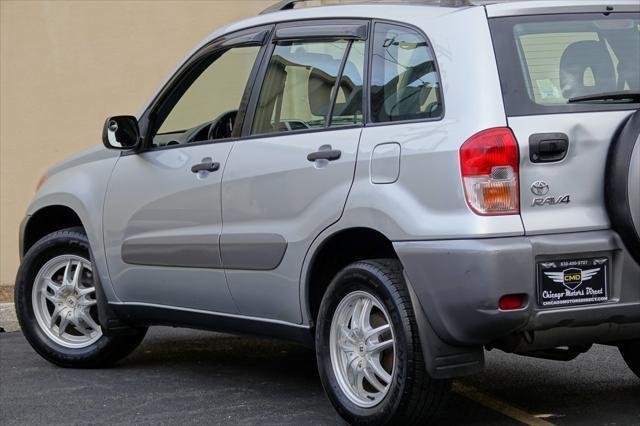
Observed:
{"x":354,"y":278}
{"x":617,"y":184}
{"x":53,"y":245}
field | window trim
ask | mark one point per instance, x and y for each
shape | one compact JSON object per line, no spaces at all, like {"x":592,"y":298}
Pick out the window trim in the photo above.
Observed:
{"x":273,"y":41}
{"x":369,"y":122}
{"x":166,"y":97}
{"x":319,"y":30}
{"x":252,"y":91}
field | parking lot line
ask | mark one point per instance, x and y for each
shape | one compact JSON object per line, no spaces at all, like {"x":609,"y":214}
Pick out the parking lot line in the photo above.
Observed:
{"x":495,"y":404}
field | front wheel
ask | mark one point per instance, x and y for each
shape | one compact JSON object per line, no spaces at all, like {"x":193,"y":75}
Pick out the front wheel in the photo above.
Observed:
{"x":55,"y":299}
{"x":368,"y":349}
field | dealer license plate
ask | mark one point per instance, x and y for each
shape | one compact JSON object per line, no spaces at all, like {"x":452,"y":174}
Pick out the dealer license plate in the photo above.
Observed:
{"x":573,"y":282}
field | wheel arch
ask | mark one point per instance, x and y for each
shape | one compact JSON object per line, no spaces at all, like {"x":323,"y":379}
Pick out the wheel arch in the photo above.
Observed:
{"x":334,"y":252}
{"x":44,"y":221}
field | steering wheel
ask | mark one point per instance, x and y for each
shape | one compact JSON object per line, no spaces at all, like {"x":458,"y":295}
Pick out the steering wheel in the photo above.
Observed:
{"x":222,"y":126}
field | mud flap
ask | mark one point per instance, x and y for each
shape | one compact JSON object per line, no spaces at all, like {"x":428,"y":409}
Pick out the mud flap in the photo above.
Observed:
{"x":444,"y":361}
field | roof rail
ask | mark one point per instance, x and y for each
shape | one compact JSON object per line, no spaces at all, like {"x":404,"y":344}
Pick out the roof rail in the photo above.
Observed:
{"x":290,"y":4}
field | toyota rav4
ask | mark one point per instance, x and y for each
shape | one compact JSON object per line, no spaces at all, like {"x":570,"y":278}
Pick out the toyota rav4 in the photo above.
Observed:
{"x":400,"y":186}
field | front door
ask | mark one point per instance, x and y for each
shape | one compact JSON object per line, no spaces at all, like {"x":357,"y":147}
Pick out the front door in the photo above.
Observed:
{"x":162,"y":217}
{"x":290,"y":178}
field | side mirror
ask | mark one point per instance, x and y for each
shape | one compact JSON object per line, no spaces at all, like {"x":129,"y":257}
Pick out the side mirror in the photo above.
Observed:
{"x":121,"y":132}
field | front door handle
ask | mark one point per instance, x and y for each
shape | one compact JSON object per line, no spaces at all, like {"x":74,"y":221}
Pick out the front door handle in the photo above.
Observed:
{"x":207,"y":165}
{"x":325,"y":153}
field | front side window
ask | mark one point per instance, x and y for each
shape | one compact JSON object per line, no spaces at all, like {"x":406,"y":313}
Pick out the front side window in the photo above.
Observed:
{"x":404,"y":78}
{"x":208,"y":107}
{"x":300,"y":86}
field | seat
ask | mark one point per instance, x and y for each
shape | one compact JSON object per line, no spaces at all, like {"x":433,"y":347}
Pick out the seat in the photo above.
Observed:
{"x":577,"y":58}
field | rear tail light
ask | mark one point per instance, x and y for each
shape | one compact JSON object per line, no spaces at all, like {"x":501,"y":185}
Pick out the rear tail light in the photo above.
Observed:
{"x":489,"y":164}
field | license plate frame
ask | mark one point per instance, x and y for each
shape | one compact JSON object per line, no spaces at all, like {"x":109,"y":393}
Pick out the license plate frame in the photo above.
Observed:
{"x":572,"y":282}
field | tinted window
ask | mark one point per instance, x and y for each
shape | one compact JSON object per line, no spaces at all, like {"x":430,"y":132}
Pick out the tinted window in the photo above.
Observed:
{"x":298,"y":86}
{"x":571,"y":58}
{"x":404,"y":81}
{"x":348,"y":106}
{"x":216,"y":92}
{"x":546,"y":60}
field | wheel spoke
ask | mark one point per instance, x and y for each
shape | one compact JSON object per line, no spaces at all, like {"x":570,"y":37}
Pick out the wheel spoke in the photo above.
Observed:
{"x":379,"y":371}
{"x":64,"y":321}
{"x":54,"y":316}
{"x":85,"y":303}
{"x":66,"y":279}
{"x":86,"y":318}
{"x":50,"y":297}
{"x":52,"y":284}
{"x":373,"y":380}
{"x":76,"y":276}
{"x":82,"y":292}
{"x":81,"y":328}
{"x":376,"y":332}
{"x":380,"y":346}
{"x":355,"y":315}
{"x":346,"y":333}
{"x":365,"y":314}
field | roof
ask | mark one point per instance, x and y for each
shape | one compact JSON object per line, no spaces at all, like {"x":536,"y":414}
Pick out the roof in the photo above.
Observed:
{"x":501,"y":7}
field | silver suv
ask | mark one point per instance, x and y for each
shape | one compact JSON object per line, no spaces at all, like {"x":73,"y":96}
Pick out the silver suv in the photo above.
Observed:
{"x":399,"y":186}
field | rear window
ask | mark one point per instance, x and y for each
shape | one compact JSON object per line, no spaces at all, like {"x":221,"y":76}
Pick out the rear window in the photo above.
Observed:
{"x":547,"y":61}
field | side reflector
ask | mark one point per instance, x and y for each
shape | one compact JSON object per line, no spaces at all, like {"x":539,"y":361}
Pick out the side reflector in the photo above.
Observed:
{"x":509,"y":302}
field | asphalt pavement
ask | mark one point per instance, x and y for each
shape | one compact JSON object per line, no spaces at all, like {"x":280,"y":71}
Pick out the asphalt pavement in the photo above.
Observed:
{"x":182,"y":376}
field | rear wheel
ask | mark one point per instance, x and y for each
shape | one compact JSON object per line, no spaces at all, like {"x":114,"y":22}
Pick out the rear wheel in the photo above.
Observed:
{"x":55,"y":298}
{"x":631,"y":353}
{"x":369,"y":354}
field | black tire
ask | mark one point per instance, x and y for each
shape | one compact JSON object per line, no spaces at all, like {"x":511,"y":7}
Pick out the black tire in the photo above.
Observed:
{"x":622,"y":188}
{"x":413,"y":397}
{"x":631,"y":353}
{"x":106,"y":350}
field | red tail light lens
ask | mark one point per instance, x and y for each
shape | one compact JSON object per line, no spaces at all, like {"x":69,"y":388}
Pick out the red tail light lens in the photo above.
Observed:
{"x":510,"y":302}
{"x":489,"y":164}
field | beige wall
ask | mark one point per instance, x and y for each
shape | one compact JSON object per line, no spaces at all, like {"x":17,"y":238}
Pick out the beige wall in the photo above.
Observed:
{"x":66,"y":65}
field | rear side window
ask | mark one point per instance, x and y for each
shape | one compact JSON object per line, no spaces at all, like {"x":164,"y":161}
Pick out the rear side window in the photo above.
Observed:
{"x":547,"y":61}
{"x":404,"y":77}
{"x":301,"y":84}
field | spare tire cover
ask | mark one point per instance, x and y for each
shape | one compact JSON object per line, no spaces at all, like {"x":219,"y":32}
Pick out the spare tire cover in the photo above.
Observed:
{"x":623,"y":185}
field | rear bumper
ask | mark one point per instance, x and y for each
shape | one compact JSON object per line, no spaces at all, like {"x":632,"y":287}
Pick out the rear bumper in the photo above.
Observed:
{"x":458,"y":284}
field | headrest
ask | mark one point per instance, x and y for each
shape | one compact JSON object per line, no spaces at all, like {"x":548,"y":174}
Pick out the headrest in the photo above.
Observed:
{"x":576,"y":59}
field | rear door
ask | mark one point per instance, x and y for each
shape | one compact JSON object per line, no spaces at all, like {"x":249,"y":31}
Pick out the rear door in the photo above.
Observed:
{"x":546,"y":63}
{"x":288,"y":179}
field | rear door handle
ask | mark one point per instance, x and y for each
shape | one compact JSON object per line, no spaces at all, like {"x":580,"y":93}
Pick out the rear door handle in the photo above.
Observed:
{"x":325,"y":154}
{"x":548,"y":147}
{"x":207,"y":165}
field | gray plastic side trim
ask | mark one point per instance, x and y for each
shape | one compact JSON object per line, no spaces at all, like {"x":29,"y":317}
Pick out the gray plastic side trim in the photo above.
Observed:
{"x":261,"y":252}
{"x":191,"y":251}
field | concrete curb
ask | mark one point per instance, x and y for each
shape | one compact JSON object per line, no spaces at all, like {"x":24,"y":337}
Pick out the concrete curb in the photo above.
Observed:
{"x":8,"y":320}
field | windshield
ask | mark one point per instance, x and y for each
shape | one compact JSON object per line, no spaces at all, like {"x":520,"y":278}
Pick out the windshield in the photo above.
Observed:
{"x":547,"y":60}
